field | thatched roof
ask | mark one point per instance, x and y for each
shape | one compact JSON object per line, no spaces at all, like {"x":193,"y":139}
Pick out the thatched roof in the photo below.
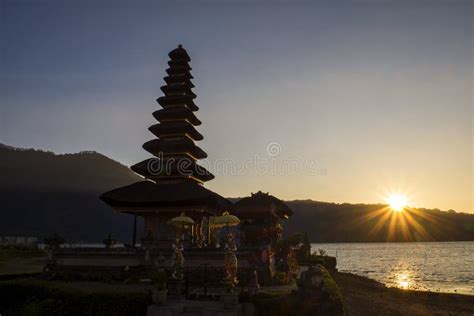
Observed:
{"x":178,"y":89}
{"x":181,"y":79}
{"x":261,"y":205}
{"x":179,"y":54}
{"x":175,"y":128}
{"x":177,"y":186}
{"x":181,"y":146}
{"x":155,"y":169}
{"x":177,"y":113}
{"x":178,"y":70}
{"x":177,"y":100}
{"x":149,"y":195}
{"x":180,"y":63}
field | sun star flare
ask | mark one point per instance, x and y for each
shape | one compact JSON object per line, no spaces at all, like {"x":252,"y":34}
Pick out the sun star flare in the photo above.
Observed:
{"x":397,"y":202}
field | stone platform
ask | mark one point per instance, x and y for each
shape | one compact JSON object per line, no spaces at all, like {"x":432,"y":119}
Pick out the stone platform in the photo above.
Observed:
{"x":199,"y":308}
{"x":121,"y":257}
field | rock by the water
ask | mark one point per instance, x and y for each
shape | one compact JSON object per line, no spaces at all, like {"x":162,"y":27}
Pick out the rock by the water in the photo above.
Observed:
{"x":311,"y":280}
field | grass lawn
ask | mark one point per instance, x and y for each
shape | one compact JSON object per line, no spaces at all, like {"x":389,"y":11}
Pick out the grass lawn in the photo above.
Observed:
{"x":39,"y":298}
{"x":21,"y":261}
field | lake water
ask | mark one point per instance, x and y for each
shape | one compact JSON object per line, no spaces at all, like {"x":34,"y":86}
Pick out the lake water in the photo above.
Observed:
{"x":439,"y":266}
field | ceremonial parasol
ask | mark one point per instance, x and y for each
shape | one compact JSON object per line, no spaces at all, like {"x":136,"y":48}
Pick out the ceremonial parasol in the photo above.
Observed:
{"x":226,"y":220}
{"x":181,"y":221}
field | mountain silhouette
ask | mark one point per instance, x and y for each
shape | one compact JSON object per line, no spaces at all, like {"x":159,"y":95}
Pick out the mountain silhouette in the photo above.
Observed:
{"x":331,"y":222}
{"x":43,"y":193}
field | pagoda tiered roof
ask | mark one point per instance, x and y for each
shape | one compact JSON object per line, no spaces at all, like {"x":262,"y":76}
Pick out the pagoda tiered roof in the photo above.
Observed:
{"x":175,"y":148}
{"x":165,"y":197}
{"x":175,"y":130}
{"x":176,"y":114}
{"x":153,"y":169}
{"x":174,"y":179}
{"x":177,"y":89}
{"x":177,"y":100}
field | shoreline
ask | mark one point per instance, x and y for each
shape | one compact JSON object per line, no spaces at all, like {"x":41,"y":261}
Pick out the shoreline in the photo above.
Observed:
{"x":414,"y":289}
{"x":440,"y":267}
{"x":365,"y":296}
{"x":362,"y":296}
{"x":389,"y":242}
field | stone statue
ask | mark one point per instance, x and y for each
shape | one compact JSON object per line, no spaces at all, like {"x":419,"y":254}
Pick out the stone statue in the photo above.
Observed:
{"x":177,"y":260}
{"x":230,"y":264}
{"x":311,"y":281}
{"x":199,"y":237}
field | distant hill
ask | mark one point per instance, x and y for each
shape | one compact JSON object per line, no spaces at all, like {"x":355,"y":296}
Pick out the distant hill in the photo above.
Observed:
{"x":331,"y":222}
{"x":86,"y":171}
{"x":42,"y":192}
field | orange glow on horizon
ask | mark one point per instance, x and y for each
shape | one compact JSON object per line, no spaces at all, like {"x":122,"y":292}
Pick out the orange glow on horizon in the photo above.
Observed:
{"x":399,"y":221}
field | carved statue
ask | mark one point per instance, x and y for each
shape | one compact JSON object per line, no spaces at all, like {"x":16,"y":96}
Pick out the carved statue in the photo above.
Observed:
{"x":230,"y":263}
{"x":199,"y":237}
{"x":177,"y":260}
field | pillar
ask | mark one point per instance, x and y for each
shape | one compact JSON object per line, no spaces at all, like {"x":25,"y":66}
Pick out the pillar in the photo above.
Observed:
{"x":208,"y":231}
{"x":151,"y":225}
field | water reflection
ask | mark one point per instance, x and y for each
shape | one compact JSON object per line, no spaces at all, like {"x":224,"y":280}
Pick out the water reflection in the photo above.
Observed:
{"x":403,"y":276}
{"x":443,"y":267}
{"x":403,"y":279}
{"x":403,"y":283}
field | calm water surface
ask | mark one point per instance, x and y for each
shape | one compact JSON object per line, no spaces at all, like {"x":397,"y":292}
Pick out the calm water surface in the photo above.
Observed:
{"x":441,"y":266}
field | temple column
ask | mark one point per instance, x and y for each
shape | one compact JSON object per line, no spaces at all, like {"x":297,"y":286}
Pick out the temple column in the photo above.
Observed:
{"x":151,"y":225}
{"x":134,"y":237}
{"x":191,"y":239}
{"x":208,"y":231}
{"x":197,"y":236}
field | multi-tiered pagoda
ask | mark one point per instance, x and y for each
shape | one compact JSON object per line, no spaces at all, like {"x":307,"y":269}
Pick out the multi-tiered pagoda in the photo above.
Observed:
{"x":174,"y":181}
{"x":174,"y":146}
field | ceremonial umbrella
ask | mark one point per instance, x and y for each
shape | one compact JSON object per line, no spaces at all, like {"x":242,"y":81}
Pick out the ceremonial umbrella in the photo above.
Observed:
{"x":226,"y":220}
{"x":181,"y":222}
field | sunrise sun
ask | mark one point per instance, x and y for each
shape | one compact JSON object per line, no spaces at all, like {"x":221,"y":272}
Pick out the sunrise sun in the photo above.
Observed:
{"x":397,"y":202}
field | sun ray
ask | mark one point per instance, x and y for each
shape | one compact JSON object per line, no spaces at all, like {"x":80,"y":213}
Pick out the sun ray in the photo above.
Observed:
{"x":418,"y":227}
{"x":378,"y":226}
{"x":398,"y":221}
{"x":433,"y":219}
{"x":405,"y":228}
{"x":437,"y":224}
{"x":367,"y":217}
{"x":392,"y":227}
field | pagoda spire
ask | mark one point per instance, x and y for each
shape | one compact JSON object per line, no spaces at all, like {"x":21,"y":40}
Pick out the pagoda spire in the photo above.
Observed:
{"x":174,"y":148}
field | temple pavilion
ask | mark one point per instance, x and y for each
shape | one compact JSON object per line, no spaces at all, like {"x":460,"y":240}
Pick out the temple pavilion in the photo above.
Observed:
{"x":262,"y":217}
{"x":173,"y":181}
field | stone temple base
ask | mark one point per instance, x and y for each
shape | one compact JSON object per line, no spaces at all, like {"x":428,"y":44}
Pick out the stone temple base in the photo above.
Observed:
{"x":201,"y":308}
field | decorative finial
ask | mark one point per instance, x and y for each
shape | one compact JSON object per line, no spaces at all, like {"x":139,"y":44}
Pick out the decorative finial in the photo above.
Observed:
{"x":180,"y":46}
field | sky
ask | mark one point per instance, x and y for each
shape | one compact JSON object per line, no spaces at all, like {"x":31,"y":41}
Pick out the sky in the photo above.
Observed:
{"x":343,"y":101}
